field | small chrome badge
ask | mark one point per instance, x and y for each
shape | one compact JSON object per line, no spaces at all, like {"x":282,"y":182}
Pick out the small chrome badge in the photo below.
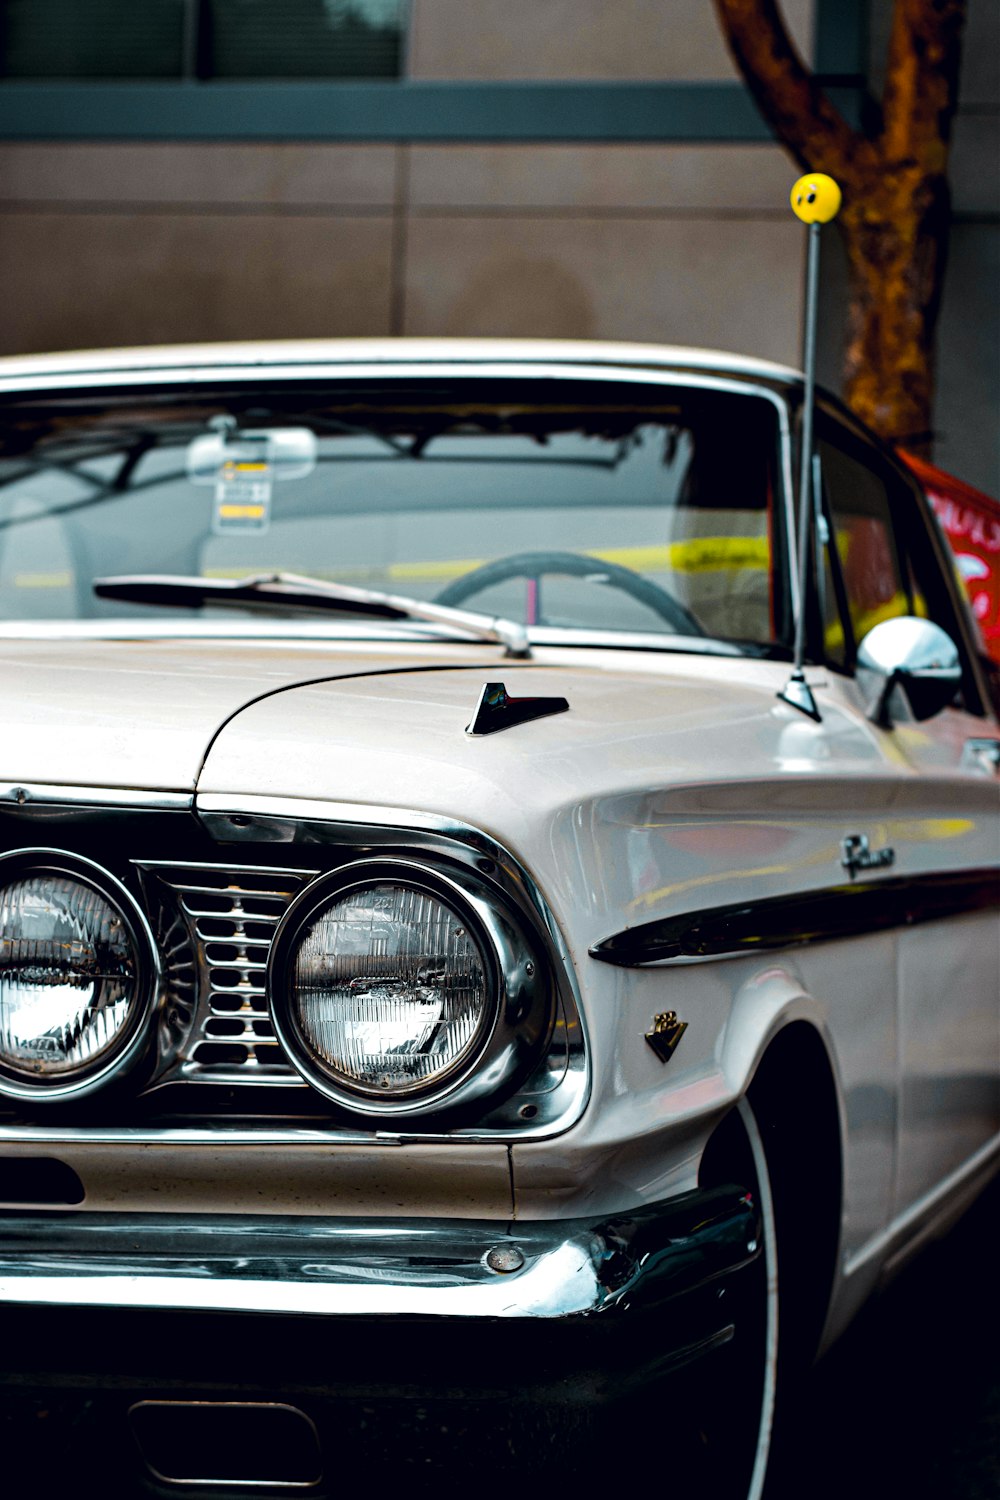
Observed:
{"x":857,"y":854}
{"x":666,"y":1033}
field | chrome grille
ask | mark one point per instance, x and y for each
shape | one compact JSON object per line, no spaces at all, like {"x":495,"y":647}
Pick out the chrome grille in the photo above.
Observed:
{"x":221,"y":1032}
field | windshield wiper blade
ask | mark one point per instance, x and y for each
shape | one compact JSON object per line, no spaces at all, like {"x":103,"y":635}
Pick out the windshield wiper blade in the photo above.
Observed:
{"x":295,"y":591}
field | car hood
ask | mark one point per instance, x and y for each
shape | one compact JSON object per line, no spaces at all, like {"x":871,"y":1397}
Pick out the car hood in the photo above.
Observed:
{"x":339,"y":730}
{"x":142,"y":713}
{"x":372,"y":722}
{"x":399,"y":740}
{"x":384,"y":723}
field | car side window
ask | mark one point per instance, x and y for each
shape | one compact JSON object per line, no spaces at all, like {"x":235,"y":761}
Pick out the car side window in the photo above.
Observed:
{"x":879,"y":561}
{"x":876,"y":574}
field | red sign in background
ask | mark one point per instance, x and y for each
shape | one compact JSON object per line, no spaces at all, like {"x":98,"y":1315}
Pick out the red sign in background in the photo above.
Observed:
{"x":971,"y":522}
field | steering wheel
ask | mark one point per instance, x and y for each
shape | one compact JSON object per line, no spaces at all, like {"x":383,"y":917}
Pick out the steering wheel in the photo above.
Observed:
{"x":534,"y":564}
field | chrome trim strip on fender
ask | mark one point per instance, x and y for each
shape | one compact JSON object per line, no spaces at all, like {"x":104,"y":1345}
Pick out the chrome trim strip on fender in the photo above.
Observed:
{"x":434,"y":1269}
{"x":153,"y":799}
{"x":250,"y":818}
{"x":806,"y":917}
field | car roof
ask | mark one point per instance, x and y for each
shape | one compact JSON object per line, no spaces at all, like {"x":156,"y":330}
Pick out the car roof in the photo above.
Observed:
{"x":23,"y":369}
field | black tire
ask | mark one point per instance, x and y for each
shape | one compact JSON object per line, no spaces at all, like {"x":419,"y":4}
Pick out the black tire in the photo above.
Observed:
{"x":740,"y":1390}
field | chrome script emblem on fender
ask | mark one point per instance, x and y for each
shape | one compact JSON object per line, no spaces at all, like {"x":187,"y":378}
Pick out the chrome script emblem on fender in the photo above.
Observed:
{"x":856,"y":854}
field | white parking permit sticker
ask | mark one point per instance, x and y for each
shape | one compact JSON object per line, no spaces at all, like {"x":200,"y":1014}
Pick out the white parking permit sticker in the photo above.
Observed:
{"x":243,"y":495}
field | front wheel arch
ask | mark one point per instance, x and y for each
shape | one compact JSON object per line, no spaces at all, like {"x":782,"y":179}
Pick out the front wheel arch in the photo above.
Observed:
{"x":782,"y":1142}
{"x":793,"y":1095}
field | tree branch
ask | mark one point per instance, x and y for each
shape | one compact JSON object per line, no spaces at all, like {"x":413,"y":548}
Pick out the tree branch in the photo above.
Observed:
{"x":785,"y":90}
{"x":921,"y":80}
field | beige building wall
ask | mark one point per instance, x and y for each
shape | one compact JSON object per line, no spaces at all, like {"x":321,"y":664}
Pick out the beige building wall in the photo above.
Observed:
{"x":132,"y":244}
{"x":128,"y":243}
{"x":106,"y":244}
{"x":609,"y":39}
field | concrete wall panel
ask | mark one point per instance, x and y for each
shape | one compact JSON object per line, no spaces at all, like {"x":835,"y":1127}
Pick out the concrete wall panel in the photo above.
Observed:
{"x":676,"y":178}
{"x":86,"y":280}
{"x":672,"y":281}
{"x":660,"y":39}
{"x":980,"y":84}
{"x":205,"y":174}
{"x":975,"y":164}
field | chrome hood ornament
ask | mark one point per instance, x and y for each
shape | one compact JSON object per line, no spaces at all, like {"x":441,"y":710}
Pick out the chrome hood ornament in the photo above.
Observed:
{"x":497,"y":710}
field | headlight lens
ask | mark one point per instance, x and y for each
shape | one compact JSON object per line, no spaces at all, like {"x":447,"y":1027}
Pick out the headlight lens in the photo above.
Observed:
{"x":72,"y":983}
{"x":389,"y":989}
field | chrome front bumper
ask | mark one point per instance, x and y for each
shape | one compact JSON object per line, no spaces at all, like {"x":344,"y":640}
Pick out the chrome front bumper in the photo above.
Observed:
{"x":368,"y":1268}
{"x":430,"y":1345}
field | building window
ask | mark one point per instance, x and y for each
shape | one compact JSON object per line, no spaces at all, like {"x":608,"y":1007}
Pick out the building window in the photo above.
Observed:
{"x":201,"y":39}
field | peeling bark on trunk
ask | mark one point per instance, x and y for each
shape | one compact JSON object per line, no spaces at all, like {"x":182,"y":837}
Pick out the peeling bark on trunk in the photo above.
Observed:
{"x":896,"y":237}
{"x":895,"y":215}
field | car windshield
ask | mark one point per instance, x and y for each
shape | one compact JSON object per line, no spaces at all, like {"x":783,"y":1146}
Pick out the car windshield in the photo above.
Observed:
{"x":572,"y":507}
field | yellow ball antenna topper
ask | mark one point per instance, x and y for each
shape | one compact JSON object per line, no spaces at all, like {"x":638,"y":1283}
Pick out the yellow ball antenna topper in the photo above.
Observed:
{"x":815,"y":198}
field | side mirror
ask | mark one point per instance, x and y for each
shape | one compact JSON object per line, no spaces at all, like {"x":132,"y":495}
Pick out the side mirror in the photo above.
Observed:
{"x":916,"y":655}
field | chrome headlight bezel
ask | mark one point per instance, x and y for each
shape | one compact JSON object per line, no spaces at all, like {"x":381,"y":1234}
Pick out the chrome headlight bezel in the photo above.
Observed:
{"x":132,"y":1045}
{"x":520,"y":1001}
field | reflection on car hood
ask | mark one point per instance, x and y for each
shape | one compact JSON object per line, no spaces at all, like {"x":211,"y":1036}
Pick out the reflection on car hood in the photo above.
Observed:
{"x":400,"y":740}
{"x":373,"y":722}
{"x":142,"y":713}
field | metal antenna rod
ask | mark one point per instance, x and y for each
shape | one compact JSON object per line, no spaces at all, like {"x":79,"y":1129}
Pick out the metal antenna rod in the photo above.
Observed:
{"x":805,"y":465}
{"x":815,"y":200}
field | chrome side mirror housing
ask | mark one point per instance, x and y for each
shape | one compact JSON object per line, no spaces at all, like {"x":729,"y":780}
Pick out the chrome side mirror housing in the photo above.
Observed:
{"x":916,"y":655}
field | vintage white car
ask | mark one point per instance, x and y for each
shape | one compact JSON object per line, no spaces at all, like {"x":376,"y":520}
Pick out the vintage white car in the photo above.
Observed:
{"x":459,"y":983}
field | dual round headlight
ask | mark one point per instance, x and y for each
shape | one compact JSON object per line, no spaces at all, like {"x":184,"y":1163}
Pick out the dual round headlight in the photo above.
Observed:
{"x":394,"y":989}
{"x":77,"y":977}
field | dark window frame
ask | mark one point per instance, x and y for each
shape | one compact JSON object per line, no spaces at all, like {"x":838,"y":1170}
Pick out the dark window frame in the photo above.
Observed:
{"x":417,"y":111}
{"x":919,"y":548}
{"x":193,"y":29}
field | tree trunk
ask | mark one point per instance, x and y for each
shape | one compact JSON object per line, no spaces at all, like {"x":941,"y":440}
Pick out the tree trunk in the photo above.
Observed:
{"x":895,"y":214}
{"x":895,"y":229}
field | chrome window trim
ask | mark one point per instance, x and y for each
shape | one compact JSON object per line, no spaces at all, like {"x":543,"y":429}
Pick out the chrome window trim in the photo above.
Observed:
{"x":415,"y":634}
{"x":674,"y":370}
{"x":477,"y":368}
